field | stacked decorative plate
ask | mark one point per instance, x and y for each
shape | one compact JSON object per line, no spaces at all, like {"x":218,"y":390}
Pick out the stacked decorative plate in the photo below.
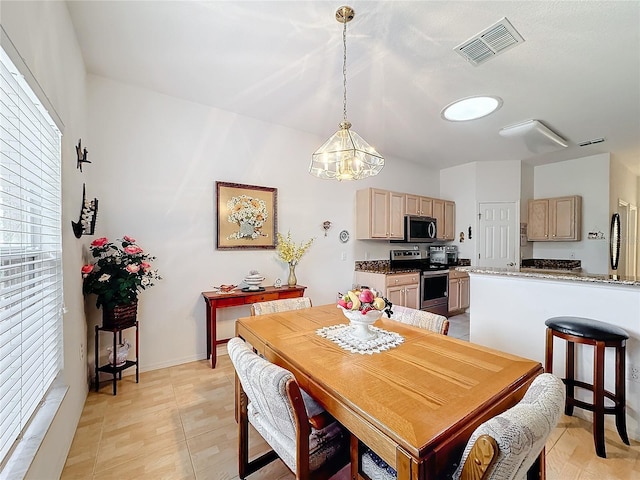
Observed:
{"x":253,"y":280}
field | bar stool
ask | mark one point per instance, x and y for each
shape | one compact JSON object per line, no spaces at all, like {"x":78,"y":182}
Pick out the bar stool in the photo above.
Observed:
{"x":601,"y":335}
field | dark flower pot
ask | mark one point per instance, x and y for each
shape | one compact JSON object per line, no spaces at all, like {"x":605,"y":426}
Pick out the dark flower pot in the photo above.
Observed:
{"x":120,"y":316}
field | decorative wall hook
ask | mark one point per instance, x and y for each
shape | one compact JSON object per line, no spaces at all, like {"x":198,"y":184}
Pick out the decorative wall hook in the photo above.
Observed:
{"x":86,"y":224}
{"x":82,"y":156}
{"x":326,"y":225}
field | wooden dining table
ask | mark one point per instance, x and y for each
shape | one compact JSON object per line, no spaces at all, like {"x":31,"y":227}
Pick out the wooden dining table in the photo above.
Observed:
{"x":415,"y":405}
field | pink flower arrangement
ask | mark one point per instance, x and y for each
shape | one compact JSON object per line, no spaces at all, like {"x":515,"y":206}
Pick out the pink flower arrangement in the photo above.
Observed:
{"x":119,"y":272}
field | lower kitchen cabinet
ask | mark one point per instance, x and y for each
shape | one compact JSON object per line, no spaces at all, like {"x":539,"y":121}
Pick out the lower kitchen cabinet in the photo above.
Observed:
{"x":458,"y":291}
{"x":399,"y":288}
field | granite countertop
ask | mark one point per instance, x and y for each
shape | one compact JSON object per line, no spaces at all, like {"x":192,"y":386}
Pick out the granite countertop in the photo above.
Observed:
{"x":573,"y":276}
{"x":384,"y":266}
{"x":381,"y":266}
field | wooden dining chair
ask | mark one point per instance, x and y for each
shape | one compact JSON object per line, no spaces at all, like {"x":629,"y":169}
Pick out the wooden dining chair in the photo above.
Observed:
{"x":420,"y":318}
{"x":505,"y":446}
{"x":305,"y":437}
{"x":282,"y":305}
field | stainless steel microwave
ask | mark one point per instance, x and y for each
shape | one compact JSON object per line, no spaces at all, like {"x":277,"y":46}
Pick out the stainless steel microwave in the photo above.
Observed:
{"x":419,"y":229}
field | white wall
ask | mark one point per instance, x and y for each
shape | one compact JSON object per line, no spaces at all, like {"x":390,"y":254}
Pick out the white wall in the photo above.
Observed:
{"x":588,"y":177}
{"x":43,"y":36}
{"x":158,"y":159}
{"x":526,"y":193}
{"x":459,"y":184}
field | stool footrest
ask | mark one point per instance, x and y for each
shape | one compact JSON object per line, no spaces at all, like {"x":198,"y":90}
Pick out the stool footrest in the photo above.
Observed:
{"x":587,"y":386}
{"x":590,"y":406}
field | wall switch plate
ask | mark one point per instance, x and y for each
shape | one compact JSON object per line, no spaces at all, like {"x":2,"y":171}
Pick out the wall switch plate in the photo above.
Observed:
{"x":343,"y":256}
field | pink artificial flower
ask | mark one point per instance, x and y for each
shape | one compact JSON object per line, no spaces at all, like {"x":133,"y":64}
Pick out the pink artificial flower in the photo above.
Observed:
{"x":87,"y":269}
{"x":132,"y":249}
{"x":129,"y":239}
{"x":145,"y":266}
{"x":100,"y":242}
{"x":133,"y":268}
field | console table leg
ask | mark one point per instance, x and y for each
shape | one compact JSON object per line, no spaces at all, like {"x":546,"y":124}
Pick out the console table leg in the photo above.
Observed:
{"x":211,"y":314}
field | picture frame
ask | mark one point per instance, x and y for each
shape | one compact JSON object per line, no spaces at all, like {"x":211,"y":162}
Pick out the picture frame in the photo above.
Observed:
{"x":246,"y":217}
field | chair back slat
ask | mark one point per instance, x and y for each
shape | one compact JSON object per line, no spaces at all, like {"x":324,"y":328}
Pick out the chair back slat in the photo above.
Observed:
{"x":420,"y":318}
{"x":521,"y":431}
{"x":282,"y":305}
{"x":265,"y":386}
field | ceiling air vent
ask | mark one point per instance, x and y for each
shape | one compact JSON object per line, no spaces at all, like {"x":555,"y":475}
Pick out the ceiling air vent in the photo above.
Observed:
{"x":591,"y":142}
{"x":492,"y":41}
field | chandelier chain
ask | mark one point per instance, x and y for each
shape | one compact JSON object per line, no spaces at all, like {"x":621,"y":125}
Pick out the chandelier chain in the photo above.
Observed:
{"x":344,"y":68}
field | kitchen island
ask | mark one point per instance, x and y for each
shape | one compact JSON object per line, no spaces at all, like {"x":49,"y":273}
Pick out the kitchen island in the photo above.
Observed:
{"x":509,"y":307}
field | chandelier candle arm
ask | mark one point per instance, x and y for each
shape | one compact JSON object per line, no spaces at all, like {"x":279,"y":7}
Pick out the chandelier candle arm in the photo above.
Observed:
{"x":345,"y":156}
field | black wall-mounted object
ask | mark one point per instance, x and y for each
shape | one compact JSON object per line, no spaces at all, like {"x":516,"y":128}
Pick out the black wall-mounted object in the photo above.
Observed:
{"x":82,"y":155}
{"x":614,"y":241}
{"x":86,"y":224}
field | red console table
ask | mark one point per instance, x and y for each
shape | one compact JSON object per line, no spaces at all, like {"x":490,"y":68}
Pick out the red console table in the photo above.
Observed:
{"x":236,"y":298}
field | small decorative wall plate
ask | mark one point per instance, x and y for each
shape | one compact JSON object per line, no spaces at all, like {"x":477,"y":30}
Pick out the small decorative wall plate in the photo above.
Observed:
{"x":344,"y":236}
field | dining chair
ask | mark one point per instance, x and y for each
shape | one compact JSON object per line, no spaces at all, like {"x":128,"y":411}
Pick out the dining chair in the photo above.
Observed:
{"x":420,"y":318}
{"x":505,"y":446}
{"x":282,"y":305}
{"x":305,"y":437}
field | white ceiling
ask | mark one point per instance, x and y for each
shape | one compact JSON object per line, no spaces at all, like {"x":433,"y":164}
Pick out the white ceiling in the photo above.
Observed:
{"x":578,"y":70}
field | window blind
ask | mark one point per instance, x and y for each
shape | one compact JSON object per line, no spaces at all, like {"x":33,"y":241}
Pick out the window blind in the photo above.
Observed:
{"x":30,"y":254}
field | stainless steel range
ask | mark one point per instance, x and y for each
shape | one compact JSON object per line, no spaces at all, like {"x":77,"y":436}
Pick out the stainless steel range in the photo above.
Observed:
{"x":434,"y":280}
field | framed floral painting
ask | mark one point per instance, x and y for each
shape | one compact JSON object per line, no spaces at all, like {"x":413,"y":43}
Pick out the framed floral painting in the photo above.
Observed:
{"x":247,"y":216}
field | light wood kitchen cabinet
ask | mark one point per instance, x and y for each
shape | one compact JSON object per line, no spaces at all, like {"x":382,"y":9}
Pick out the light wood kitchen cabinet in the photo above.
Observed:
{"x":379,"y":214}
{"x":417,"y":205}
{"x":556,"y":219}
{"x":444,"y":211}
{"x":400,"y":288}
{"x":458,"y":291}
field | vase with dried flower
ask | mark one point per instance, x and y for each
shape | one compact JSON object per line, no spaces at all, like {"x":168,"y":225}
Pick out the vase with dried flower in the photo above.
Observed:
{"x":291,"y":252}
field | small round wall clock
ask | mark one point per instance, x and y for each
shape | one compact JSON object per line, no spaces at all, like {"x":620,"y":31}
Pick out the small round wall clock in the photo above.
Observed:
{"x":344,"y":236}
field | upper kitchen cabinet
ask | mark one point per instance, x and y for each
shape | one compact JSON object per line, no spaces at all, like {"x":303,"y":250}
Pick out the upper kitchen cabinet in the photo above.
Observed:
{"x":444,"y":211}
{"x":379,"y":214}
{"x":555,"y":219}
{"x":417,"y":205}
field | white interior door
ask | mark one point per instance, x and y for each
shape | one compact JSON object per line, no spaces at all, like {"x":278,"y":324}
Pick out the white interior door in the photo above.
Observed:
{"x":498,"y":227}
{"x":628,"y":238}
{"x":632,"y":257}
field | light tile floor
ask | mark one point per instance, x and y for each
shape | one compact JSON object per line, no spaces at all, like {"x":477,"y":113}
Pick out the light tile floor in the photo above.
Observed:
{"x":178,"y":423}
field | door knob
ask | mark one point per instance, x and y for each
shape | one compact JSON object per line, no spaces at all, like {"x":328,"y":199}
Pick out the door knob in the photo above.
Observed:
{"x":511,"y":264}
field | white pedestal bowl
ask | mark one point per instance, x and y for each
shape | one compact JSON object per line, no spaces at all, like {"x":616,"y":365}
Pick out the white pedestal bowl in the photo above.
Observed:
{"x":362,"y":322}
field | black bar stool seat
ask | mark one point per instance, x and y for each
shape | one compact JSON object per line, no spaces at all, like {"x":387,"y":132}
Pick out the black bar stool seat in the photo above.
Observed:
{"x":600,"y":335}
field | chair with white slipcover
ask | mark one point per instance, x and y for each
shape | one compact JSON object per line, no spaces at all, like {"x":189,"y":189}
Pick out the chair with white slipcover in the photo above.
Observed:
{"x":305,"y":437}
{"x":420,"y":318}
{"x":282,"y":305}
{"x":505,"y":446}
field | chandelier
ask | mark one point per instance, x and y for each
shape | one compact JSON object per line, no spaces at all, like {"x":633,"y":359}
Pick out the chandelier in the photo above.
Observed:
{"x":345,"y":156}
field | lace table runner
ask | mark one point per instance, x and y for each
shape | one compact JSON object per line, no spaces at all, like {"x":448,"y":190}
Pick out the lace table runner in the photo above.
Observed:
{"x":343,"y":336}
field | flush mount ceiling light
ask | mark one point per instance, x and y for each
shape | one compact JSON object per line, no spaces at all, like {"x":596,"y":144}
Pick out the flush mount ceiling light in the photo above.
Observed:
{"x":538,"y":138}
{"x":345,"y":156}
{"x":471,"y":108}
